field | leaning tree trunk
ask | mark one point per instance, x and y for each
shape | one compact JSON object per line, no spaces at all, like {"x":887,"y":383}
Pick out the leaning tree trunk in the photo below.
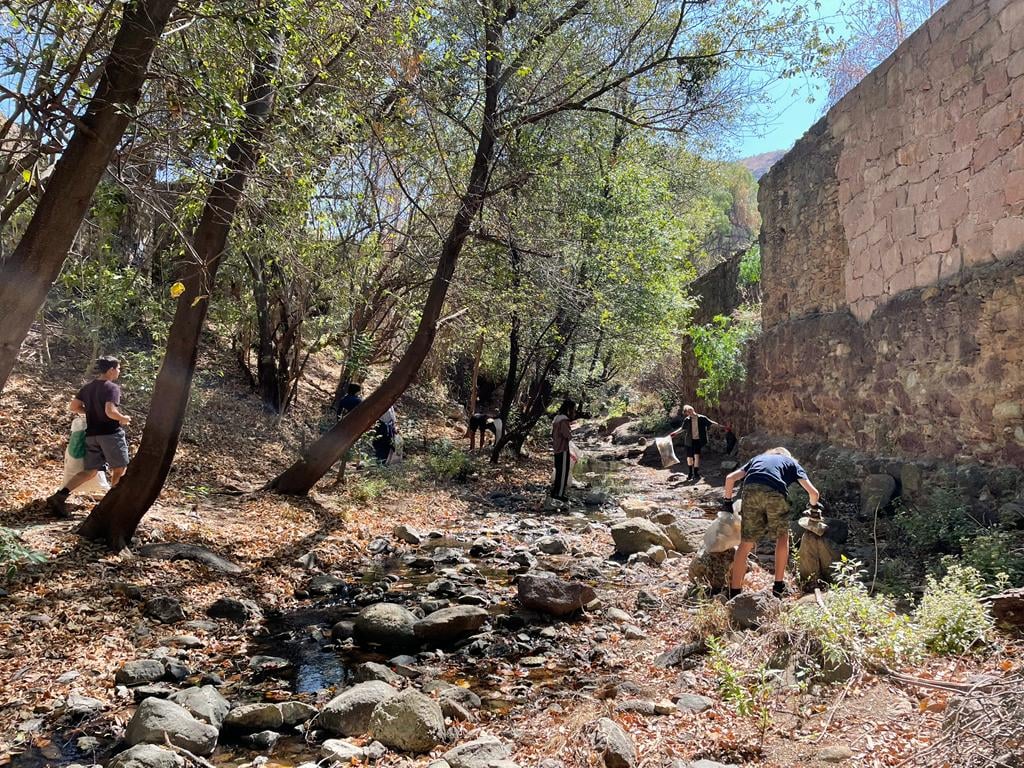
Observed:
{"x":117,"y":516}
{"x":300,"y":478}
{"x":26,"y":276}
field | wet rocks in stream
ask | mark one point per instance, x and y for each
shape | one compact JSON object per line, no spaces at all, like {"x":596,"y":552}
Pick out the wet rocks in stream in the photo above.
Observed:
{"x":481,"y":752}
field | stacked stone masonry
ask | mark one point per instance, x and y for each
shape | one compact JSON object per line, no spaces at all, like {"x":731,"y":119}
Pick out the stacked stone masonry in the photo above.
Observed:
{"x":893,"y":254}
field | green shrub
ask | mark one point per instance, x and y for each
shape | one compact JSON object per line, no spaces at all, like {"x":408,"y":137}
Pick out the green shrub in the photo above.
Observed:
{"x":368,"y":487}
{"x":855,"y":627}
{"x":951,"y":616}
{"x":750,"y":266}
{"x":995,"y":554}
{"x":719,"y":348}
{"x":446,"y":462}
{"x":937,"y":525}
{"x":14,"y":553}
{"x":750,"y":693}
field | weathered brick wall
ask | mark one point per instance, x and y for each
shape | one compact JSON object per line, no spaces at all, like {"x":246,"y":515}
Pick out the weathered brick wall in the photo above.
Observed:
{"x":893,"y":247}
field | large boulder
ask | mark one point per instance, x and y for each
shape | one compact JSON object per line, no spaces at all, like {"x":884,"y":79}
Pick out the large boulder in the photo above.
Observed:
{"x":238,"y":611}
{"x":638,"y":535}
{"x":546,"y":593}
{"x":255,"y":717}
{"x":157,"y":720}
{"x":481,"y":752}
{"x":204,"y":704}
{"x":687,"y":535}
{"x":147,"y":756}
{"x":408,"y":722}
{"x":710,"y":570}
{"x":748,"y":610}
{"x":614,"y":422}
{"x":164,"y":608}
{"x":876,"y":492}
{"x":295,"y":712}
{"x":386,"y":624}
{"x":613,"y":745}
{"x":637,"y":506}
{"x":348,"y":714}
{"x":450,"y":624}
{"x":626,"y":434}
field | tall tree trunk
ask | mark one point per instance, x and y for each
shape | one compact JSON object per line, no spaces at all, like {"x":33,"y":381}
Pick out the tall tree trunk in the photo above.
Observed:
{"x":300,"y":478}
{"x":478,"y":352}
{"x":508,"y":394}
{"x":26,"y":276}
{"x":117,"y":516}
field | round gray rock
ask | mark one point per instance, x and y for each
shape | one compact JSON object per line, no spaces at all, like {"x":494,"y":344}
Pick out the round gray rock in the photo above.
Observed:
{"x":450,"y":624}
{"x":408,"y":722}
{"x":255,"y":717}
{"x":157,"y":719}
{"x":348,"y":714}
{"x":638,"y":535}
{"x":147,"y":756}
{"x":478,"y":753}
{"x":687,"y":535}
{"x":204,"y":704}
{"x":139,"y":671}
{"x":386,"y":624}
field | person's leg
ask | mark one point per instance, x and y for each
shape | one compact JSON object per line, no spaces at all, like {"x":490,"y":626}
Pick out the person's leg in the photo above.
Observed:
{"x":689,"y":462}
{"x":561,"y":476}
{"x":739,"y":567}
{"x":696,"y":460}
{"x":115,"y":454}
{"x":93,"y":462}
{"x":781,"y":555}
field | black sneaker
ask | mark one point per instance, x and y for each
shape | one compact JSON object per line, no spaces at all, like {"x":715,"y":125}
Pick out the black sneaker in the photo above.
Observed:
{"x":696,"y":475}
{"x":57,"y":504}
{"x":779,"y":589}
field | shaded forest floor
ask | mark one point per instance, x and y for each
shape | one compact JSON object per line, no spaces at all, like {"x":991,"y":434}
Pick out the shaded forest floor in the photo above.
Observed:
{"x":70,"y":622}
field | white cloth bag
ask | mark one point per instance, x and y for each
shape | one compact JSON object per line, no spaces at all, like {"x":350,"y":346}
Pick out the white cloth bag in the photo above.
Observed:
{"x":73,"y":465}
{"x":667,"y":451}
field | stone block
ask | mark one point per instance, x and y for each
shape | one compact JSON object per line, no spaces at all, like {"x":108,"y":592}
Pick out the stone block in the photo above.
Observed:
{"x":996,"y":81}
{"x":1008,"y":236}
{"x":942,"y":241}
{"x":926,"y":271}
{"x":952,"y":209}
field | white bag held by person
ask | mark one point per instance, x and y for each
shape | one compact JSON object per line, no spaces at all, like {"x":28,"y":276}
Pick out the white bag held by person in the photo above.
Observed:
{"x":574,"y":453}
{"x":667,"y":451}
{"x":74,"y":461}
{"x":724,"y":533}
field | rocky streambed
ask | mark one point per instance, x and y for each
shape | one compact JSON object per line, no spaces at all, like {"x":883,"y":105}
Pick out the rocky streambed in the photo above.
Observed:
{"x":431,"y":644}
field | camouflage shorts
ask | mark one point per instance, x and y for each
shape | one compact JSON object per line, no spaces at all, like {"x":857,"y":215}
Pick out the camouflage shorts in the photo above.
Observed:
{"x":764,"y":511}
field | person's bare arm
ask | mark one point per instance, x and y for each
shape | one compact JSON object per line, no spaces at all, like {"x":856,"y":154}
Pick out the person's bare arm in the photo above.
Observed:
{"x":77,"y":407}
{"x":113,"y":412}
{"x":812,"y":492}
{"x":731,"y":479}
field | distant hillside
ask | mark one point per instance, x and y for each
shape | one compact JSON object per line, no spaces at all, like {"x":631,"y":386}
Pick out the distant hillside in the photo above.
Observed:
{"x":759,"y":164}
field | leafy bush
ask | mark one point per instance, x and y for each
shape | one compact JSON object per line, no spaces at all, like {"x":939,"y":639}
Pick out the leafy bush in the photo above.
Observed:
{"x":996,"y":555}
{"x":14,"y":553}
{"x":939,"y":524}
{"x":446,"y":462}
{"x":367,"y":488}
{"x":749,"y":693}
{"x":951,"y":617}
{"x":855,"y":627}
{"x":719,"y":348}
{"x":750,"y":266}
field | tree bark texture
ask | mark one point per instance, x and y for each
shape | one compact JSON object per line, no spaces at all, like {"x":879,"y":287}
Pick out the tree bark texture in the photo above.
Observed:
{"x":478,"y":352}
{"x":117,"y":516}
{"x":27,"y":274}
{"x":318,"y":459}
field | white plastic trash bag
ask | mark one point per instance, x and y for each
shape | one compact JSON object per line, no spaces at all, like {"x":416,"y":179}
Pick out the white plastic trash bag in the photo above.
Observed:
{"x":574,"y":453}
{"x":74,"y":461}
{"x":667,"y":451}
{"x":724,"y":533}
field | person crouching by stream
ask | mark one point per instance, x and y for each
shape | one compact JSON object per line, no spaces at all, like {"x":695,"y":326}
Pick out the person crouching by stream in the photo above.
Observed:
{"x":561,"y":434}
{"x":766,"y":480}
{"x":694,"y":430}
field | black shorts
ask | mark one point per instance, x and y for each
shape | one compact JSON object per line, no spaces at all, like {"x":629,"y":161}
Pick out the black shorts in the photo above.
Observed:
{"x":693,"y":449}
